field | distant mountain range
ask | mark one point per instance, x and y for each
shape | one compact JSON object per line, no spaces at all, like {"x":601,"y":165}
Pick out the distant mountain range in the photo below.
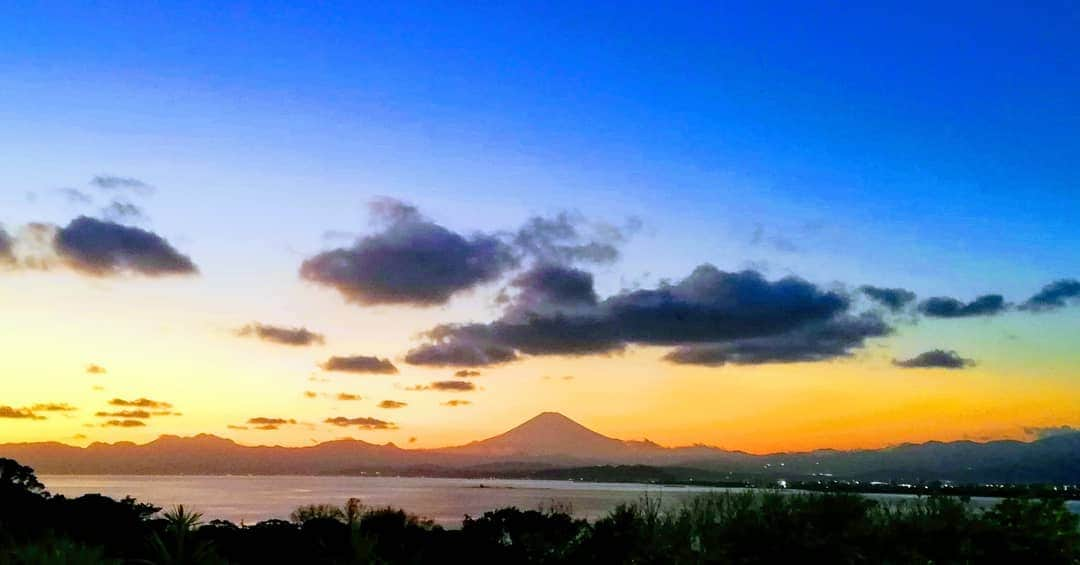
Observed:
{"x":551,"y":441}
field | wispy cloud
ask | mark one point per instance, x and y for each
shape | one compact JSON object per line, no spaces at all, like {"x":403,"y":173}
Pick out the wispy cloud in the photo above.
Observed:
{"x":118,"y":183}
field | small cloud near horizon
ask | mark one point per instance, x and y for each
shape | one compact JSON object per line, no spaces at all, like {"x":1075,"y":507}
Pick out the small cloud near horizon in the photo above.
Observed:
{"x":365,"y":423}
{"x":935,"y":359}
{"x":458,"y":386}
{"x":53,"y":407}
{"x":267,"y":424}
{"x":130,"y":414}
{"x":359,"y":364}
{"x":141,"y":403}
{"x":19,"y":413}
{"x":298,"y":337}
{"x":123,"y":424}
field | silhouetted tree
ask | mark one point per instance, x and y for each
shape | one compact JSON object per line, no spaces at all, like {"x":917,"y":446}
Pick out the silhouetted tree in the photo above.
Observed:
{"x":178,"y":545}
{"x":18,"y":477}
{"x":316,"y":511}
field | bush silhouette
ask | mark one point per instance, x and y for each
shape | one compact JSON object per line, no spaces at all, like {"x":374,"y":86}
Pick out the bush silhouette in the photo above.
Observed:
{"x":726,"y":527}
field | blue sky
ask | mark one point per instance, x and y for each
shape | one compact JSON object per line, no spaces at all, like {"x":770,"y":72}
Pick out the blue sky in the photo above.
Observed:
{"x":887,"y":122}
{"x":920,"y":145}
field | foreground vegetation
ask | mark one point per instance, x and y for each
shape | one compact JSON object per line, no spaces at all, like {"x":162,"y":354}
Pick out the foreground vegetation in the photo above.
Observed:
{"x":750,"y":527}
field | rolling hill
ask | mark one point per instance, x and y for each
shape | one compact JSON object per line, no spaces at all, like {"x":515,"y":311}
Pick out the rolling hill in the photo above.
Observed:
{"x":551,"y":440}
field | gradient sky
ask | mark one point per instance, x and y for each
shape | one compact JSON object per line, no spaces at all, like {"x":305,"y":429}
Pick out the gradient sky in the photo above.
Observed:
{"x":921,"y":146}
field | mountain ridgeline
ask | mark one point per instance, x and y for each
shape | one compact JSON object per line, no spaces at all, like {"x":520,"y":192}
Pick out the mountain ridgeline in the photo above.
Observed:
{"x":551,"y":441}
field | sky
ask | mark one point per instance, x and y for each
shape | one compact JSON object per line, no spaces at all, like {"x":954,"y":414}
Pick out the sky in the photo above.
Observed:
{"x":758,"y":227}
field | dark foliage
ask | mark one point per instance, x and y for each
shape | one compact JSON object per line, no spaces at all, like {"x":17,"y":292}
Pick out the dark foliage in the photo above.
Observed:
{"x":749,"y":527}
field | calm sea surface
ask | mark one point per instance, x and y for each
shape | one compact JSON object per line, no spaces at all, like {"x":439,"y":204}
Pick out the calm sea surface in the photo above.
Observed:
{"x":251,"y":499}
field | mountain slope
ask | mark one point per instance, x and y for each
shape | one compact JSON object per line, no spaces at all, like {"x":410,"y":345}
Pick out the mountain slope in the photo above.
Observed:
{"x":549,"y":434}
{"x":552,"y":440}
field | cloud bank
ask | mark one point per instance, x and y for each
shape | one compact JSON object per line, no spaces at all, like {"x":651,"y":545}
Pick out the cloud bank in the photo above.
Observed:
{"x":711,"y":316}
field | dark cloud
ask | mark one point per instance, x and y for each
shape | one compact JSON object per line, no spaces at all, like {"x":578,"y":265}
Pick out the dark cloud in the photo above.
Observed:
{"x":466,"y":373}
{"x":362,"y":423}
{"x":360,"y":364}
{"x":7,"y":248}
{"x":348,"y":396}
{"x":945,"y":307}
{"x":269,"y":424}
{"x":115,"y":183}
{"x":455,"y":403}
{"x":263,"y":420}
{"x":19,"y":413}
{"x":446,"y":386}
{"x":894,"y":299}
{"x":53,"y":407}
{"x":124,"y":424}
{"x":235,"y":427}
{"x":452,"y":351}
{"x":310,"y":394}
{"x":134,"y":414}
{"x":102,"y":248}
{"x":711,"y":304}
{"x":122,"y":211}
{"x":95,"y":369}
{"x":555,"y":312}
{"x":549,"y":289}
{"x":568,"y":238}
{"x":412,"y":261}
{"x":140,"y":403}
{"x":1053,"y":296}
{"x":391,"y":404}
{"x":1045,"y":432}
{"x":935,"y":358}
{"x":282,"y":335}
{"x":822,"y":341}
